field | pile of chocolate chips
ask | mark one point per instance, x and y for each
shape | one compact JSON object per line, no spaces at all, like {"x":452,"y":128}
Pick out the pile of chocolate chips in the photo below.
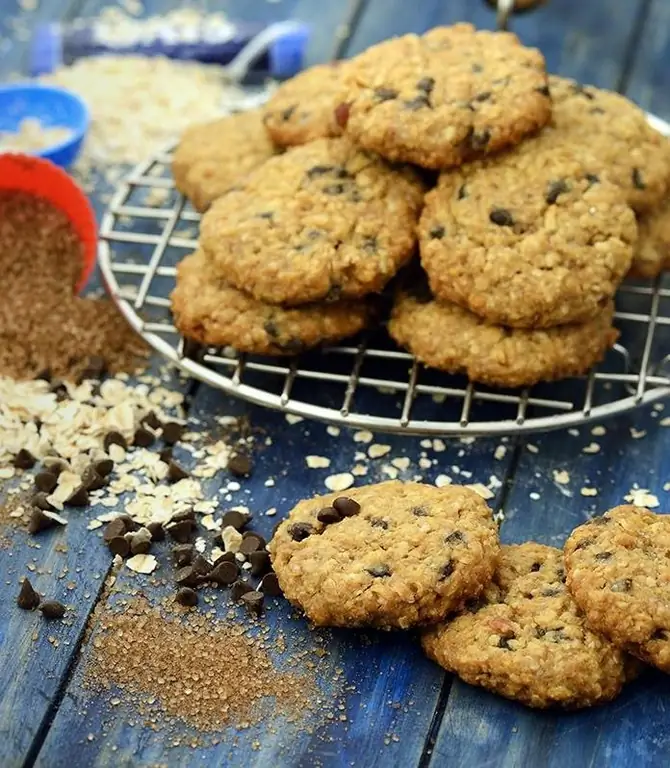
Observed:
{"x":29,"y":599}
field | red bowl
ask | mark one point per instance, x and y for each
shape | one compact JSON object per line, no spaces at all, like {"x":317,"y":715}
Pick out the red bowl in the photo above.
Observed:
{"x":39,"y":177}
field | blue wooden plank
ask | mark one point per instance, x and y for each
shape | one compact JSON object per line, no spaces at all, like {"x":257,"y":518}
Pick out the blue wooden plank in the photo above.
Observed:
{"x":395,"y":689}
{"x":649,"y":82}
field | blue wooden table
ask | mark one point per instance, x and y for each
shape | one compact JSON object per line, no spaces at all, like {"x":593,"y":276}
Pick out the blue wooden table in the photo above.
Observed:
{"x":401,"y":710}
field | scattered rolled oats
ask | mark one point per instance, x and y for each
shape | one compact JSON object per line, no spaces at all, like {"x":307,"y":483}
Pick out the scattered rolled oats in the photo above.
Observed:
{"x":142,"y":563}
{"x":317,"y":462}
{"x":591,"y":448}
{"x":339,"y":482}
{"x":642,"y":497}
{"x":377,"y":450}
{"x":482,"y":490}
{"x":561,"y":476}
{"x":442,"y":480}
{"x":363,"y":436}
{"x":589,"y":491}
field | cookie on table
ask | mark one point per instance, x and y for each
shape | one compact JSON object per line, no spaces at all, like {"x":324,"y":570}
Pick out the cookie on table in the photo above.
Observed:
{"x":615,"y":131}
{"x":324,"y":221}
{"x":444,"y":97}
{"x":388,"y":555}
{"x":303,"y":108}
{"x":652,"y":250}
{"x":526,"y":639}
{"x":211,"y":157}
{"x":527,"y":240}
{"x":444,"y":336}
{"x":209,"y":311}
{"x":618,"y":568}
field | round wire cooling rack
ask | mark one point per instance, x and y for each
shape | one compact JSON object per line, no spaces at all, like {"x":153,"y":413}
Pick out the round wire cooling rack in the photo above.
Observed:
{"x":369,"y":383}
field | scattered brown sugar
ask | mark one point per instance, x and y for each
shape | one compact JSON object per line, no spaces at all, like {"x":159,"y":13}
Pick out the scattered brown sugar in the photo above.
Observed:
{"x":43,"y":324}
{"x":192,"y":668}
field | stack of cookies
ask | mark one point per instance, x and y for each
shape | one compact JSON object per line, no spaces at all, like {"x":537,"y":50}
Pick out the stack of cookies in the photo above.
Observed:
{"x":545,"y":195}
{"x":530,"y":622}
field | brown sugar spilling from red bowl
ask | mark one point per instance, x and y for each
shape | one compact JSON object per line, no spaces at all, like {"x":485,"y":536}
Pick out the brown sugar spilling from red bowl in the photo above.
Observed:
{"x":44,"y":325}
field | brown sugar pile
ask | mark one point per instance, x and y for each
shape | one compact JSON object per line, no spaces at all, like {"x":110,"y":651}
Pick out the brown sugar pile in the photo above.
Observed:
{"x":193,"y":668}
{"x":44,"y":326}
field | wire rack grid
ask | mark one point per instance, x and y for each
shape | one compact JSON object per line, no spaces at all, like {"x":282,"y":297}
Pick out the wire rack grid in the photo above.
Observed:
{"x":368,"y":383}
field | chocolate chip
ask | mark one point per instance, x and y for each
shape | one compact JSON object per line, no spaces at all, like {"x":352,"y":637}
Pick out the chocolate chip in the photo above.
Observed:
{"x":201,"y":565}
{"x":457,"y":537}
{"x":41,"y":520}
{"x":226,"y":557}
{"x":140,"y":542}
{"x":638,"y":181}
{"x":480,"y":139}
{"x":377,"y":522}
{"x":180,"y":531}
{"x":151,"y":420}
{"x":96,"y":367}
{"x":251,"y":543}
{"x":176,"y":473}
{"x":28,"y":599}
{"x":224,"y":573}
{"x":560,"y":574}
{"x":379,"y":571}
{"x":592,"y":178}
{"x":270,"y":585}
{"x":24,"y":459}
{"x":603,"y":556}
{"x":420,"y":512}
{"x":554,"y":190}
{"x":622,"y":585}
{"x":253,"y":602}
{"x":260,"y":563}
{"x":187,"y":597}
{"x":40,"y":501}
{"x":483,"y":96}
{"x":91,"y":480}
{"x":52,"y":609}
{"x":437,"y":232}
{"x":287,"y":113}
{"x":235,"y":518}
{"x":319,"y":170}
{"x":346,"y":507}
{"x":59,"y":389}
{"x":504,"y":643}
{"x":386,"y":94}
{"x":54,"y":465}
{"x":44,"y":375}
{"x":300,"y":531}
{"x":165,"y":455}
{"x":157,"y":531}
{"x":240,"y":588}
{"x":172,"y":432}
{"x":183,"y":554}
{"x":187,"y":576}
{"x":462,"y":192}
{"x":426,"y":84}
{"x":143,"y":438}
{"x":45,"y":482}
{"x":584,"y":543}
{"x":328,"y":515}
{"x":659,"y":634}
{"x":114,"y":438}
{"x":128,"y":521}
{"x":544,"y":90}
{"x":265,"y":215}
{"x":551,"y":592}
{"x":239,"y":465}
{"x":447,"y":569}
{"x":116,"y":527}
{"x":103,"y":467}
{"x":501,"y":217}
{"x":342,"y":114}
{"x":78,"y":497}
{"x":535,"y":567}
{"x":184,"y":514}
{"x":418,"y":103}
{"x":600,"y":520}
{"x":119,"y":546}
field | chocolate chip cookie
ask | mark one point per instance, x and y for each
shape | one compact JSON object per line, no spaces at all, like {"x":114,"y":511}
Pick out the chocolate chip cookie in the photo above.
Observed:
{"x":444,"y":336}
{"x":211,"y":157}
{"x":526,"y":639}
{"x":527,"y":240}
{"x":444,"y":97}
{"x":324,"y":221}
{"x":652,"y":250}
{"x":618,"y":568}
{"x":388,"y":555}
{"x":303,"y":108}
{"x":615,"y":132}
{"x":209,"y":311}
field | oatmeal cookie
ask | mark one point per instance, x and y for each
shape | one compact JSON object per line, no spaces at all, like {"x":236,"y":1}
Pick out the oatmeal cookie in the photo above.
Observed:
{"x":526,"y":639}
{"x":526,"y":240}
{"x":388,"y":555}
{"x":444,"y":97}
{"x":618,"y":568}
{"x":303,"y":108}
{"x":651,"y":255}
{"x":211,"y":157}
{"x":323,"y":221}
{"x":444,"y":336}
{"x":209,"y":311}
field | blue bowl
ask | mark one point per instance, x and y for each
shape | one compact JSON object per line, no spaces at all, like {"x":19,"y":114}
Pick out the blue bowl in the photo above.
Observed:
{"x":55,"y":108}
